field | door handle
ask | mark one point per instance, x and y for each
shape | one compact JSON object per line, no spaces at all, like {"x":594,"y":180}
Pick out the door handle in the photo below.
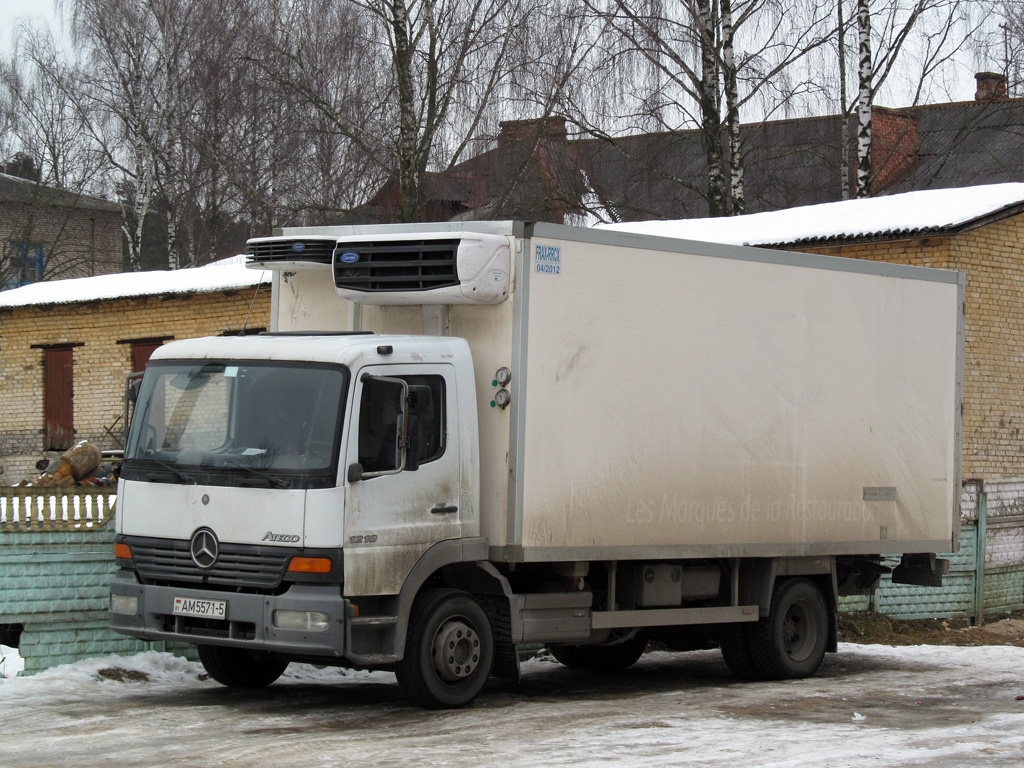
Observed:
{"x":444,"y":510}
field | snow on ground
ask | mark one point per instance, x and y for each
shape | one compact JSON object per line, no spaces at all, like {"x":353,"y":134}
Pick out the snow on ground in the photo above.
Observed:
{"x":11,"y":662}
{"x":904,"y":213}
{"x":934,"y":706}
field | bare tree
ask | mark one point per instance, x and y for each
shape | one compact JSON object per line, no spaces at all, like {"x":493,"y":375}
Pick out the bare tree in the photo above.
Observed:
{"x":703,"y":53}
{"x":435,"y":68}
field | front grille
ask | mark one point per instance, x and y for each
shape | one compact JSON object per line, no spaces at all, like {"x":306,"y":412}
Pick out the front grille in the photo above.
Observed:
{"x":233,"y":630}
{"x":238,"y":566}
{"x":308,"y":249}
{"x":410,"y":265}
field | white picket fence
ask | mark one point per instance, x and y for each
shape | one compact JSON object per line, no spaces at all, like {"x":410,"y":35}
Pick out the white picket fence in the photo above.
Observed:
{"x":55,"y":509}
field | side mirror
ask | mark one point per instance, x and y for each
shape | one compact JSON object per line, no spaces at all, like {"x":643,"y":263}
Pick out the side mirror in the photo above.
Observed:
{"x":355,"y":472}
{"x":132,"y":391}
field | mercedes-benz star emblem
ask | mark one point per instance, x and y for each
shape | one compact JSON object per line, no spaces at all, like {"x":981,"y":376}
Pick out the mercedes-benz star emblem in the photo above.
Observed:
{"x":205,"y":548}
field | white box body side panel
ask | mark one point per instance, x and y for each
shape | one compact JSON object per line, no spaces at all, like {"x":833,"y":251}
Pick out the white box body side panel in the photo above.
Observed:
{"x":707,"y":403}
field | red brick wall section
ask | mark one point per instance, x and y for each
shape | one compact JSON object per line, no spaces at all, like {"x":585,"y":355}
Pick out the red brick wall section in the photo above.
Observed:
{"x":893,"y":146}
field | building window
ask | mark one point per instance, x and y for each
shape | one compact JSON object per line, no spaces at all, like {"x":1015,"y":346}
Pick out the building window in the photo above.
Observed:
{"x":25,"y":264}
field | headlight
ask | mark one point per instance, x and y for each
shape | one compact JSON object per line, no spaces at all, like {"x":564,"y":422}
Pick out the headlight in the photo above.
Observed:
{"x":309,"y":621}
{"x":124,"y":604}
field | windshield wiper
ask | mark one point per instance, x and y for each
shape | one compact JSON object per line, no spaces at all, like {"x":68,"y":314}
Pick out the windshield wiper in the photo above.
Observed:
{"x":172,"y":469}
{"x":264,"y":474}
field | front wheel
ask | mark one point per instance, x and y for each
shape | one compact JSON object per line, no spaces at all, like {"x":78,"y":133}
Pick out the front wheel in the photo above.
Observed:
{"x":241,"y":667}
{"x":790,"y":642}
{"x":449,"y":650}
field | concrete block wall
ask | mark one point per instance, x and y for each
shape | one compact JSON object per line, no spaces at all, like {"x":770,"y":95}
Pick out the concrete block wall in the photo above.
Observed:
{"x":55,"y":587}
{"x":101,"y":363}
{"x":1002,"y":589}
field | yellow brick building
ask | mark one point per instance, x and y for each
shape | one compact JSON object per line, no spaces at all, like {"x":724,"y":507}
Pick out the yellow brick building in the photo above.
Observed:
{"x":67,"y":346}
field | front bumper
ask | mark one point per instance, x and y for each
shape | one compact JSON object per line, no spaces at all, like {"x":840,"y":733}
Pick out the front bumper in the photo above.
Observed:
{"x":249,"y":622}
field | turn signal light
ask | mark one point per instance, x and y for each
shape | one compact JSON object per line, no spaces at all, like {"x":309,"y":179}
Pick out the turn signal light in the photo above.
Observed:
{"x":122,"y":551}
{"x":310,"y":565}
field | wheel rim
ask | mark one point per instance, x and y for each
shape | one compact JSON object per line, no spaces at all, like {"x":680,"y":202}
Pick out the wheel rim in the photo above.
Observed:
{"x":799,"y":631}
{"x":456,"y":650}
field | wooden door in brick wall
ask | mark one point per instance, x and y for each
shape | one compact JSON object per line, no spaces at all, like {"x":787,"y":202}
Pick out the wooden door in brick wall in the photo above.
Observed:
{"x":58,"y":398}
{"x":141,"y":350}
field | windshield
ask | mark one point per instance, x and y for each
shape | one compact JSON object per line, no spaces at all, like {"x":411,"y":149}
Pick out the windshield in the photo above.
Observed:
{"x":227,"y":422}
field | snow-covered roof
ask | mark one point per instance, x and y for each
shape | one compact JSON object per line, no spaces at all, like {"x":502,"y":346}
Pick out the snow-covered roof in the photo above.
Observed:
{"x":225,"y":275}
{"x":906,"y":215}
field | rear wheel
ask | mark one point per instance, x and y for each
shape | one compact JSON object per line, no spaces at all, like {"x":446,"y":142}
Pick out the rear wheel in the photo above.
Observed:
{"x":790,"y":643}
{"x":449,"y":650}
{"x":241,"y":667}
{"x":735,"y":643}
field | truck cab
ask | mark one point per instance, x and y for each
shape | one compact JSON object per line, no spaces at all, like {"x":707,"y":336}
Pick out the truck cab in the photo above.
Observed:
{"x":283,"y":486}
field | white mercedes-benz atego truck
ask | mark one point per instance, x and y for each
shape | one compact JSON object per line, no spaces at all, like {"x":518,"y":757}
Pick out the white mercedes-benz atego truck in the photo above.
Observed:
{"x":457,"y":439}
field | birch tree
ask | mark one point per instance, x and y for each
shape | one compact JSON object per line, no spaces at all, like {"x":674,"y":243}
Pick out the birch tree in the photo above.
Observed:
{"x":706,"y":53}
{"x":904,"y":48}
{"x":865,"y":94}
{"x":130,"y":46}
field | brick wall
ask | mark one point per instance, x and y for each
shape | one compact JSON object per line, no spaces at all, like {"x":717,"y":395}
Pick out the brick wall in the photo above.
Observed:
{"x":100,"y":364}
{"x":994,"y":353}
{"x":893,"y":145}
{"x":78,"y":242}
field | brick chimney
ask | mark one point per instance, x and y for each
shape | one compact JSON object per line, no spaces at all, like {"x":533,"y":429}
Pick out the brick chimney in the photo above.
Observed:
{"x":893,"y":146}
{"x":532,"y":130}
{"x":991,"y":87}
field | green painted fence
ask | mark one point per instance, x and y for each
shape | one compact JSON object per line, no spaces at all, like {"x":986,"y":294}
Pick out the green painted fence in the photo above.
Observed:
{"x":56,"y":564}
{"x":986,"y":576}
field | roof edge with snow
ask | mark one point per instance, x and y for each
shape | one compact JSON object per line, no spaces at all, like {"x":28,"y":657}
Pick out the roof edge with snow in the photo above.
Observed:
{"x":908,"y":215}
{"x":212,"y":278}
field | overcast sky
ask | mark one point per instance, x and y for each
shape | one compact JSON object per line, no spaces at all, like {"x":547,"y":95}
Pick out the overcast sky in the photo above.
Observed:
{"x":12,"y":12}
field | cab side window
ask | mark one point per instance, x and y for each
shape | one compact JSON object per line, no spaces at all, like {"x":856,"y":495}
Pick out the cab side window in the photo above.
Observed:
{"x":379,"y":414}
{"x":428,"y":416}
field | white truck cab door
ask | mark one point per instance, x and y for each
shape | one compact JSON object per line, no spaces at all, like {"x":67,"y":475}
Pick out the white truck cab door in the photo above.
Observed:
{"x":391,"y":519}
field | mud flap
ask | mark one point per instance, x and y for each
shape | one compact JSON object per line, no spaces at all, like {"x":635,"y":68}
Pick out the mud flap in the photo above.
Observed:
{"x":506,"y":658}
{"x":920,"y":570}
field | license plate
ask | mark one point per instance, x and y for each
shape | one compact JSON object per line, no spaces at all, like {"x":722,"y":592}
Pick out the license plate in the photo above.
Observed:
{"x":205,"y":609}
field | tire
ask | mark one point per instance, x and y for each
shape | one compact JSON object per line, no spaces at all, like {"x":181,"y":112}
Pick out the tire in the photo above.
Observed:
{"x":449,"y":650}
{"x":241,"y":667}
{"x":790,"y":642}
{"x":567,"y":655}
{"x":735,"y":644}
{"x":610,"y":657}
